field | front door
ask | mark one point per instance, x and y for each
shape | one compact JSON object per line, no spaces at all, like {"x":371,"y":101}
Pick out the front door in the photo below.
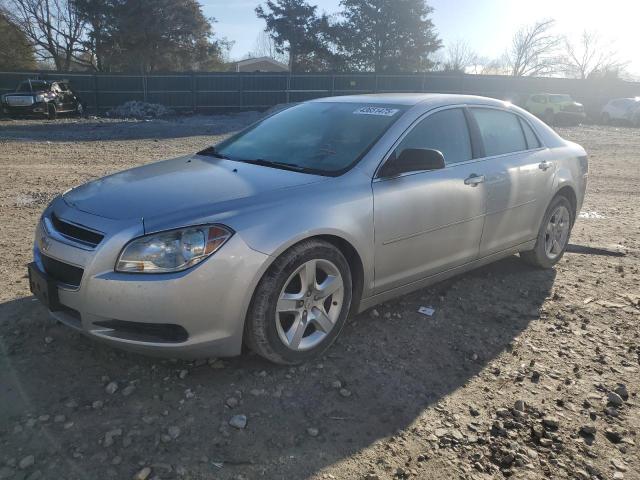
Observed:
{"x":430,"y":221}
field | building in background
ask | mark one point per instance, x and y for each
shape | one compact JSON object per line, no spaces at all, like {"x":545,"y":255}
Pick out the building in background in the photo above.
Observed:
{"x":260,"y":64}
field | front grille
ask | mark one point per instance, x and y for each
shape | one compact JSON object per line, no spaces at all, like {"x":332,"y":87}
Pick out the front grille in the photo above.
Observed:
{"x":76,"y":232}
{"x":62,"y":272}
{"x":19,"y":100}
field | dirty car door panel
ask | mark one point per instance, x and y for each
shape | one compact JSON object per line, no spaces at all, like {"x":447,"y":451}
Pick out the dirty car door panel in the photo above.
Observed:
{"x":427,"y":222}
{"x":517,"y":179}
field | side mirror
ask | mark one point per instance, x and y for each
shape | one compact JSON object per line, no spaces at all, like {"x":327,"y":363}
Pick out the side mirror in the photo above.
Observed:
{"x":413,"y":160}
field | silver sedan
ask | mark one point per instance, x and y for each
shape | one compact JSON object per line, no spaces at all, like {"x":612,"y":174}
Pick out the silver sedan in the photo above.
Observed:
{"x":275,"y":236}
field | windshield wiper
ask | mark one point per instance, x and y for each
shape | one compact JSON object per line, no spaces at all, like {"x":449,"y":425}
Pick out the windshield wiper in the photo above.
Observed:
{"x":212,"y":152}
{"x":281,"y":165}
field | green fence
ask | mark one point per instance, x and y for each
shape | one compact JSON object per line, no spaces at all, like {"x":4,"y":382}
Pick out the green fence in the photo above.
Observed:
{"x":218,"y":92}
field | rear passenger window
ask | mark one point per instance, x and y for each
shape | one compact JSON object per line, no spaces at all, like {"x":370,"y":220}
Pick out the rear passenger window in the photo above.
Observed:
{"x":500,"y":131}
{"x":445,"y":131}
{"x":532,"y":139}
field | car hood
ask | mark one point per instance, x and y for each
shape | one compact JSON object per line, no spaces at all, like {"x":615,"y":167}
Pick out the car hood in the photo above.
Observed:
{"x":180,"y":184}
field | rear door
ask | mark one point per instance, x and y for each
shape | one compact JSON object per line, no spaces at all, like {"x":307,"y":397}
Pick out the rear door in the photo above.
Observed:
{"x":519,"y":178}
{"x":430,"y":221}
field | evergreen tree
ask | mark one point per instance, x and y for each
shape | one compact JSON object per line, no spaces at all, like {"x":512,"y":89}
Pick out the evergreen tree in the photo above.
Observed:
{"x":387,"y":35}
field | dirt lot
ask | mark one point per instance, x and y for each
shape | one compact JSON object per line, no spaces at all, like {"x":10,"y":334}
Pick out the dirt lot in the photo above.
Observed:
{"x":521,"y":373}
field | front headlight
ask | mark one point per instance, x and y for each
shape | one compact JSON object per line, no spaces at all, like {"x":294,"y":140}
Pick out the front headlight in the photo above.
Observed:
{"x":172,"y":251}
{"x":39,"y":98}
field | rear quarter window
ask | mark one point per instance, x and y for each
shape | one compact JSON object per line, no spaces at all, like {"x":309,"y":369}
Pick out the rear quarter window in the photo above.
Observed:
{"x":530,"y":136}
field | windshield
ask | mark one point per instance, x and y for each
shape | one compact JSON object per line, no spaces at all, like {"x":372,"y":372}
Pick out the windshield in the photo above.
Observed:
{"x":316,"y":137}
{"x":34,"y":86}
{"x":559,"y":98}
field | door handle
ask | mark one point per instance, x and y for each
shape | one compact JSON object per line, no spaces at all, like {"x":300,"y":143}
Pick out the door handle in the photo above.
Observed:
{"x":474,"y":180}
{"x":545,"y":165}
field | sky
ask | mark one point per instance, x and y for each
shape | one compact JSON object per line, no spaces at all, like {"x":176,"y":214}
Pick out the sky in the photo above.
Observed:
{"x":486,"y":25}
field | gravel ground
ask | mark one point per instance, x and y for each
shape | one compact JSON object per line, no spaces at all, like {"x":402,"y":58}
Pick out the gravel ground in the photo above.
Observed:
{"x":520,"y":373}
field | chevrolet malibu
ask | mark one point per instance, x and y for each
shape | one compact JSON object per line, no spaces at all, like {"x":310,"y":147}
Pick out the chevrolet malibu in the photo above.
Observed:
{"x":275,"y":236}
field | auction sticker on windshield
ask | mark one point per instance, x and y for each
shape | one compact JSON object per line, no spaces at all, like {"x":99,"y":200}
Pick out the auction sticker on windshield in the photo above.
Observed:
{"x":385,"y":112}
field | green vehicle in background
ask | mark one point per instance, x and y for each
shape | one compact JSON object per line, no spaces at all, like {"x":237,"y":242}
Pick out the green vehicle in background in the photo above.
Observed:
{"x":554,"y":107}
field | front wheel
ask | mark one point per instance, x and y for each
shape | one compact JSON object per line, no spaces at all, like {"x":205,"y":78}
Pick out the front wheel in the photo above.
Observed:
{"x":52,"y":113}
{"x":301,"y":303}
{"x":553,"y":236}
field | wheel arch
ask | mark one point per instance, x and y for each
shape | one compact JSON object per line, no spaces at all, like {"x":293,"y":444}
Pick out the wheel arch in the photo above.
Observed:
{"x":350,"y":252}
{"x":569,"y":193}
{"x":345,"y":247}
{"x":566,"y":190}
{"x":355,"y":264}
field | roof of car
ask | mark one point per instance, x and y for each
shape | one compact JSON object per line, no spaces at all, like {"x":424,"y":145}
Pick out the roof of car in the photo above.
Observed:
{"x":411,"y":99}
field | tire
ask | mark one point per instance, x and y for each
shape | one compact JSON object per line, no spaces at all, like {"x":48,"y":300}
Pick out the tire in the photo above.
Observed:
{"x":79,"y":110}
{"x":281,"y":307}
{"x":52,"y":113}
{"x":540,"y":256}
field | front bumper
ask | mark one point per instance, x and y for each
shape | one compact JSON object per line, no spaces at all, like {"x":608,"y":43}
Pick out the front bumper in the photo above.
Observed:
{"x":36,"y":109}
{"x":192,"y":314}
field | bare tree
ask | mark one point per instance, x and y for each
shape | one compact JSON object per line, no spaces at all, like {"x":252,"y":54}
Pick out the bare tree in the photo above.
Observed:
{"x":53,"y":27}
{"x":265,"y":46}
{"x":459,"y":57}
{"x":488,"y":66}
{"x":534,"y":50}
{"x":590,"y":55}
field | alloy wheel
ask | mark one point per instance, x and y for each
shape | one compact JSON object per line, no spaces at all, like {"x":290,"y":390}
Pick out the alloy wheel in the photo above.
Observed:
{"x":309,"y":304}
{"x":557,"y":232}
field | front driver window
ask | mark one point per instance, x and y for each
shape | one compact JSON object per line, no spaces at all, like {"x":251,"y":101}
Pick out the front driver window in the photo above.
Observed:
{"x":445,"y":131}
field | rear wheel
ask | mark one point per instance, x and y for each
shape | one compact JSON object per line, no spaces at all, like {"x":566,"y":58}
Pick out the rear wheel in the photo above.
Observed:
{"x":553,"y":236}
{"x":301,"y":303}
